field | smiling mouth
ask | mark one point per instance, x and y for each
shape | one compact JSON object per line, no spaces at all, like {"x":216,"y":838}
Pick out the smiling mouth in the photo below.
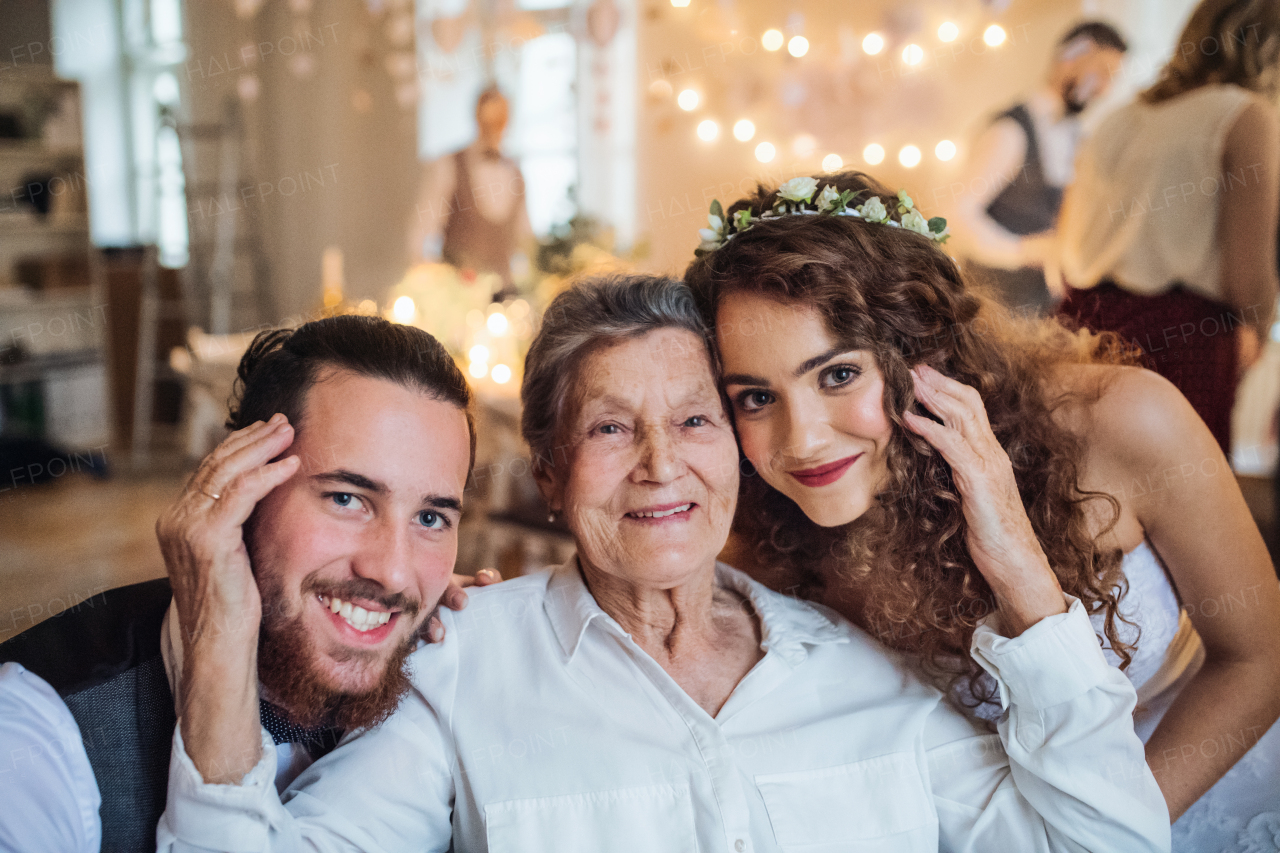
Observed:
{"x":354,"y":615}
{"x":824,"y":474}
{"x":661,"y":513}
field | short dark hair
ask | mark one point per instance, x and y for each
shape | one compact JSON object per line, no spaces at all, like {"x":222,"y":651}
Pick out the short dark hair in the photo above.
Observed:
{"x":1101,"y":34}
{"x":281,"y":365}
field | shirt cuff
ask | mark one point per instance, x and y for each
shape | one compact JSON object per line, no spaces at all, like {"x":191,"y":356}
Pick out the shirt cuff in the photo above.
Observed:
{"x":220,"y":817}
{"x":1056,"y":660}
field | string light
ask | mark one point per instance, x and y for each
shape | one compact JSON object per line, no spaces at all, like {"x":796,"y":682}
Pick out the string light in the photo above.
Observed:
{"x":708,"y":130}
{"x":873,"y":154}
{"x":743,"y":130}
{"x":765,"y":152}
{"x":772,"y":40}
{"x":945,"y":150}
{"x":873,"y":44}
{"x":948,"y":32}
{"x":832,"y":162}
{"x":688,"y":100}
{"x":404,"y":309}
{"x":501,"y":373}
{"x":909,"y":156}
{"x":497,"y":324}
{"x":798,"y":46}
{"x":913,"y":54}
{"x":479,"y":352}
{"x":994,"y":35}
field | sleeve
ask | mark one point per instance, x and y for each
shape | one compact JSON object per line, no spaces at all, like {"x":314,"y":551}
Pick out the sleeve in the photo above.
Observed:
{"x":382,"y":790}
{"x":431,"y":210}
{"x":47,"y":785}
{"x":1066,"y":771}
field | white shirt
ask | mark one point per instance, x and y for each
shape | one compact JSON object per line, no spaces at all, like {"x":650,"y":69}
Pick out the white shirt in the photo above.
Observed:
{"x":1144,"y":211}
{"x":539,"y":725}
{"x":494,"y":185}
{"x":49,"y":797}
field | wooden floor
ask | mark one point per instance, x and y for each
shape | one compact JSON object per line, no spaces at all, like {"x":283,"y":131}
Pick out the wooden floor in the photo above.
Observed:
{"x":64,"y":542}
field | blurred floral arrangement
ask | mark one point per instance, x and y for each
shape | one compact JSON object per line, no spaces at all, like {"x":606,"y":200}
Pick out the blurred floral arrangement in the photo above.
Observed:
{"x":489,"y":338}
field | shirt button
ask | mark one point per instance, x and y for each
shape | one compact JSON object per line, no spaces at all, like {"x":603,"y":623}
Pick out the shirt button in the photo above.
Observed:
{"x":739,"y":845}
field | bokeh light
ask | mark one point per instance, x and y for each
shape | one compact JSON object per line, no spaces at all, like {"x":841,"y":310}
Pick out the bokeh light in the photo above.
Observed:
{"x":708,"y":130}
{"x":909,"y":156}
{"x":772,"y":40}
{"x":948,"y":32}
{"x":688,"y":100}
{"x":743,"y":130}
{"x":765,"y":152}
{"x":873,"y":154}
{"x":994,"y":35}
{"x":946,"y":149}
{"x":873,"y":44}
{"x":832,"y":162}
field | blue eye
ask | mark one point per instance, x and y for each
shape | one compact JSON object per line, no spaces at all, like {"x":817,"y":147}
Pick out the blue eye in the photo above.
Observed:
{"x":700,"y":421}
{"x":342,"y":498}
{"x":609,"y":429}
{"x":431,"y":519}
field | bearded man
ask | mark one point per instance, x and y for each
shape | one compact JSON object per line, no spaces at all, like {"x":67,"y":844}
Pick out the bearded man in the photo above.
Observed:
{"x":327,"y":521}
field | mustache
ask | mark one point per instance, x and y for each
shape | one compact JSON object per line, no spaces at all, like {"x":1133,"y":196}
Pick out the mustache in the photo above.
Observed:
{"x":366,"y":589}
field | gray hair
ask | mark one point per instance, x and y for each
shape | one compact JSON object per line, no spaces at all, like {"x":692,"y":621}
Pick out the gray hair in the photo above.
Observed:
{"x":593,"y":314}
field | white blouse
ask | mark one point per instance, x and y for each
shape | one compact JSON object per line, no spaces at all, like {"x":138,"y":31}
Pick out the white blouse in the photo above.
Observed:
{"x":539,"y":725}
{"x":1143,"y":211}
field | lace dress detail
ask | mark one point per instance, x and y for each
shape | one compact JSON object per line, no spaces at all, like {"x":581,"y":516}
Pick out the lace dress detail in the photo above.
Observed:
{"x":1241,"y":813}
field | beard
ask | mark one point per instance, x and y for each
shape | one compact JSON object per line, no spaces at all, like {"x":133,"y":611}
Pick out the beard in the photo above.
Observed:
{"x":287,"y":665}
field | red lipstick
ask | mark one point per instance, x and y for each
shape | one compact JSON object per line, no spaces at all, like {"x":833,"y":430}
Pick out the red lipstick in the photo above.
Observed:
{"x":824,"y":474}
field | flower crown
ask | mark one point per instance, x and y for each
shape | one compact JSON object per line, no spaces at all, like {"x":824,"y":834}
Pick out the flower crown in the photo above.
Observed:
{"x":795,"y":198}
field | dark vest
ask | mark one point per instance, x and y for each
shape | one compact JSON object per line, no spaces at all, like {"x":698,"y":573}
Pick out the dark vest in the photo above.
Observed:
{"x":1029,"y":205}
{"x":102,"y":656}
{"x":471,"y":241}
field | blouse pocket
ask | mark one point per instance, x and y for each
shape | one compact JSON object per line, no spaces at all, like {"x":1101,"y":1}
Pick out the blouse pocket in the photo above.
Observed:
{"x":630,"y":820}
{"x":880,"y":804}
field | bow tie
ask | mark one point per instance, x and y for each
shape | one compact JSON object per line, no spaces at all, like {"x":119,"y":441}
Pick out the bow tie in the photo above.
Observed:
{"x":318,"y":741}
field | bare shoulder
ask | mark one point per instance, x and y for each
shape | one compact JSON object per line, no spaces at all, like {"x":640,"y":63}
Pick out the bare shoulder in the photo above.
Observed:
{"x":1129,"y":417}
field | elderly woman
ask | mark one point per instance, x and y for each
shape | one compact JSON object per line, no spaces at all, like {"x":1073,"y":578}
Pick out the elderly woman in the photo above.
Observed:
{"x":644,"y":697}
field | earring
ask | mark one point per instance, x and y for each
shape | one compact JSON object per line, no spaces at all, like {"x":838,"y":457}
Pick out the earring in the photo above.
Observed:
{"x":551,"y":517}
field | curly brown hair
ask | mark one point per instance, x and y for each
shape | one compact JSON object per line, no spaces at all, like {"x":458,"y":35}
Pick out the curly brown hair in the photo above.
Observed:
{"x":898,"y":295}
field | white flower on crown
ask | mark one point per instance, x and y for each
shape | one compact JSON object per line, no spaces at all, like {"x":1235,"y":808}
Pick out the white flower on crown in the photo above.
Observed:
{"x":914,"y":220}
{"x":873,"y":210}
{"x":798,"y":189}
{"x":828,"y":200}
{"x":904,"y":201}
{"x":713,"y":237}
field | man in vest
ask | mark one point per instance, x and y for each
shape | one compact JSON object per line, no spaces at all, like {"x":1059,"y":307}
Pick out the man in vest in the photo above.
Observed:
{"x":472,"y":213}
{"x":323,"y":531}
{"x":1022,"y":162}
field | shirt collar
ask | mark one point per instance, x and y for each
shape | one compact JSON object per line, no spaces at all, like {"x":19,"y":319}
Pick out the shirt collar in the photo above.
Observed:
{"x":787,"y":624}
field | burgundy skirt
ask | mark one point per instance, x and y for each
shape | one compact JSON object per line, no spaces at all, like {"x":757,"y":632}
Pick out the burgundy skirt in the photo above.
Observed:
{"x":1186,"y":338}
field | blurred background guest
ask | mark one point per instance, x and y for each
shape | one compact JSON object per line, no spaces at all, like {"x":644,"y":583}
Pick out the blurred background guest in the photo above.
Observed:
{"x":1169,"y":234}
{"x":1022,"y":162}
{"x":472,"y":212}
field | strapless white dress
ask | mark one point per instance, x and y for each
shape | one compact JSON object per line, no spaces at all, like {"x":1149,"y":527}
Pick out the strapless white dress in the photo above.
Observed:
{"x":1241,"y":813}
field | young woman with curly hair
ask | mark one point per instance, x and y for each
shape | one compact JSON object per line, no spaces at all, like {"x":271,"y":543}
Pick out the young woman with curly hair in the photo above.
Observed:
{"x":925,"y":460}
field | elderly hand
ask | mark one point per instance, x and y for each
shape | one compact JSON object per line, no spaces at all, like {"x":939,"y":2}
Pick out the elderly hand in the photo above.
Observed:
{"x":219,"y":608}
{"x":1001,"y":541}
{"x":455,"y":599}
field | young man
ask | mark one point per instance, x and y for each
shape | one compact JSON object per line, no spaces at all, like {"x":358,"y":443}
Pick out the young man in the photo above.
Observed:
{"x":323,"y":532}
{"x":1022,"y":162}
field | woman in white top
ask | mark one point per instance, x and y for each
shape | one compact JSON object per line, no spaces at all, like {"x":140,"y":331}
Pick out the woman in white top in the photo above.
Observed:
{"x":644,"y":699}
{"x":838,"y":335}
{"x":1169,"y":232}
